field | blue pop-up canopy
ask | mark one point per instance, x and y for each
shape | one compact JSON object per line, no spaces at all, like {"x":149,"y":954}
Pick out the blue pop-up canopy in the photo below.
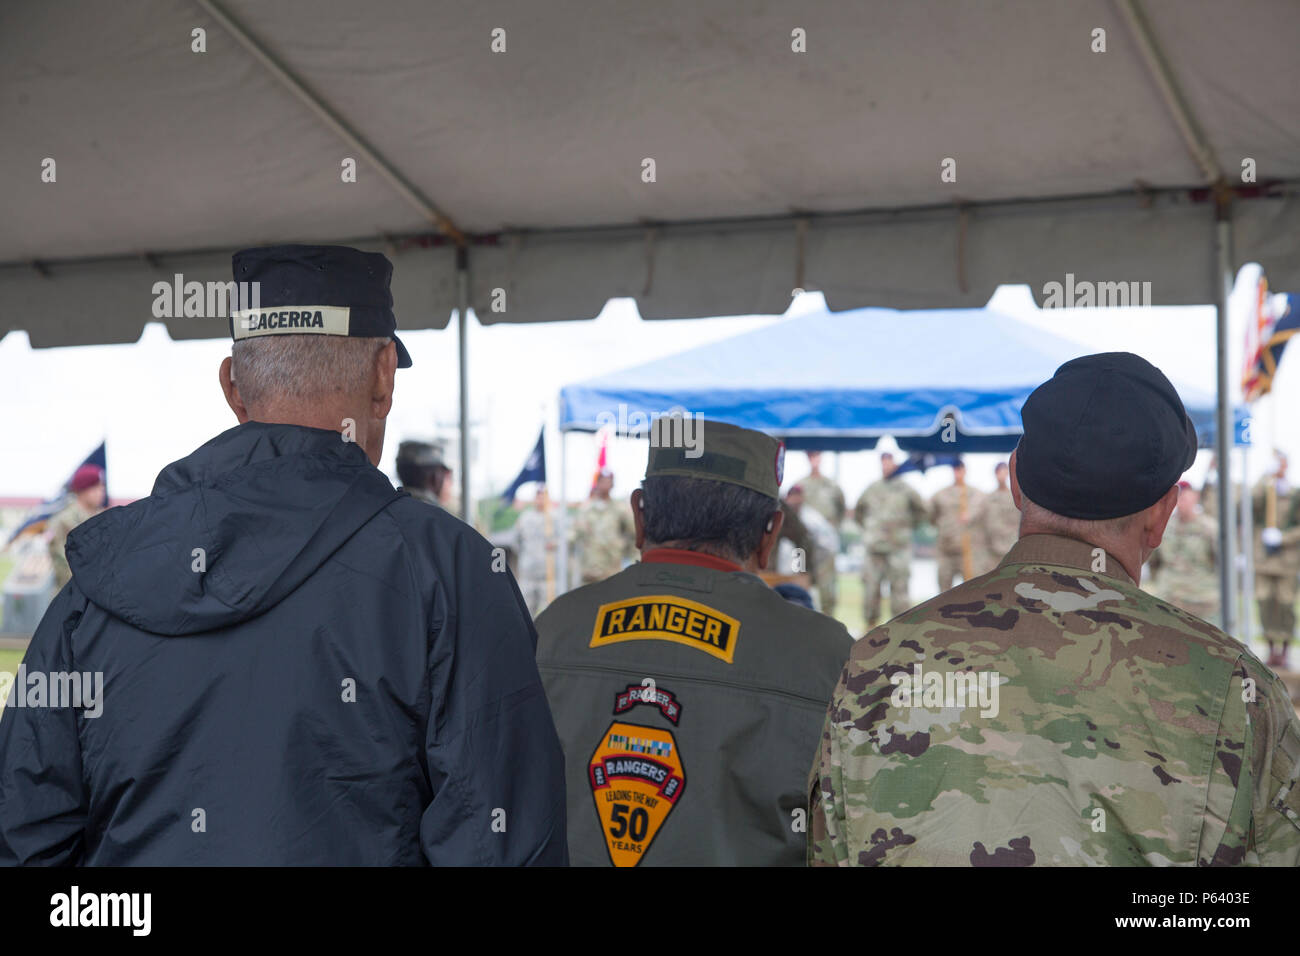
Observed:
{"x":842,"y":380}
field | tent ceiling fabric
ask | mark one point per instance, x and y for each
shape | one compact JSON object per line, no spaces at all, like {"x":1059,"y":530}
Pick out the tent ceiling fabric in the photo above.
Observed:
{"x":537,"y":151}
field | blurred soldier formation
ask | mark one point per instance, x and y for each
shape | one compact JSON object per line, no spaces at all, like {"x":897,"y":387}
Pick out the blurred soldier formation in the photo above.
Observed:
{"x":668,"y":710}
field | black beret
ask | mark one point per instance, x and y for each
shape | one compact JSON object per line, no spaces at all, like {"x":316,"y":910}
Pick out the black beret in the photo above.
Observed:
{"x":1106,"y":436}
{"x":326,"y":290}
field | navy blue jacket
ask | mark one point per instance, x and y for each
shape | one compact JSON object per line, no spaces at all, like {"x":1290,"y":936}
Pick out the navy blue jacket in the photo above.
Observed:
{"x":342,"y":675}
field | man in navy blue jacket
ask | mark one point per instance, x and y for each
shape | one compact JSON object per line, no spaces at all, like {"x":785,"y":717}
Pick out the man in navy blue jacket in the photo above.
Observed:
{"x":276,"y":658}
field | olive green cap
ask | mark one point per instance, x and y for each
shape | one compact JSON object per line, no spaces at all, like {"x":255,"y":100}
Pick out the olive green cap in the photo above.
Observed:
{"x":699,"y":448}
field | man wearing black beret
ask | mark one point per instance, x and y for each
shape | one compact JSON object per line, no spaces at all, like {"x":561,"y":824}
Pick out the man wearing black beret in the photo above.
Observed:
{"x":301,"y":664}
{"x":1050,"y":712}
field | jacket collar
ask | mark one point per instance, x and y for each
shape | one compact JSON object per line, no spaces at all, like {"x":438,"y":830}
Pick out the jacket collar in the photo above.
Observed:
{"x":1067,"y":552}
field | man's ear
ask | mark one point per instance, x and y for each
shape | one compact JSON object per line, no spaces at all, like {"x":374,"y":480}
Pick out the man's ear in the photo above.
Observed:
{"x":381,"y":398}
{"x":771,"y":535}
{"x":1015,"y":480}
{"x":231,"y":392}
{"x":638,"y":518}
{"x":1157,"y":518}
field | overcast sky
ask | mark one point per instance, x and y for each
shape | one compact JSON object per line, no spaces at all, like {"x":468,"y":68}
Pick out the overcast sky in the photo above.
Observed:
{"x":156,"y":400}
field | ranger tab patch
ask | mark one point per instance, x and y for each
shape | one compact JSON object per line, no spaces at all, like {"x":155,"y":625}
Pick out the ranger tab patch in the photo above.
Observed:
{"x":635,"y":694}
{"x":666,"y":617}
{"x":636,"y":777}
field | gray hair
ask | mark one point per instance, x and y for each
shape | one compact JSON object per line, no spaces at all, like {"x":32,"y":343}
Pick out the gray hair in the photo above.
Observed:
{"x":269,"y":368}
{"x":1082,"y":529}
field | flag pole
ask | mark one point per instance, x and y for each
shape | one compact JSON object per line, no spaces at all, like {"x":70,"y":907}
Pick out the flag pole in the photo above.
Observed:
{"x":1222,"y":285}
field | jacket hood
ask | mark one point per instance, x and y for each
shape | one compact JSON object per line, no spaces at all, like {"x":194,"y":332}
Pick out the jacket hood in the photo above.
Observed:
{"x":229,"y":531}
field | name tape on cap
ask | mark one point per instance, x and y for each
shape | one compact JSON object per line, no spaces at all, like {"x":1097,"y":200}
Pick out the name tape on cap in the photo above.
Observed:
{"x":292,"y":320}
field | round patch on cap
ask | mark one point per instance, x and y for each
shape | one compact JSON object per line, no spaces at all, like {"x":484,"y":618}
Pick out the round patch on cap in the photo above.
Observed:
{"x":780,"y":462}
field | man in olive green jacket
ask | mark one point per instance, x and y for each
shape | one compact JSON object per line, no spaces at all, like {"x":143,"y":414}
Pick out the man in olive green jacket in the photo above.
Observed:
{"x":688,"y":694}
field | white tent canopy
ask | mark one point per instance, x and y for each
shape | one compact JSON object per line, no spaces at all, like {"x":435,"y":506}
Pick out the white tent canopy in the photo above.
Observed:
{"x":774,"y":169}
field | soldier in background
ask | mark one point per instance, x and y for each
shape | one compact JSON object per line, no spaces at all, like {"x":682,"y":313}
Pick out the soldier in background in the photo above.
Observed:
{"x":951,"y":511}
{"x":605,"y":531}
{"x":825,"y":541}
{"x":1276,"y":507}
{"x":1210,"y":490}
{"x":85,"y":499}
{"x":422,"y":472}
{"x":534,"y":540}
{"x":889,"y":510}
{"x":996,"y":523}
{"x":1183,"y":567}
{"x":1095,"y":724}
{"x":824,"y":496}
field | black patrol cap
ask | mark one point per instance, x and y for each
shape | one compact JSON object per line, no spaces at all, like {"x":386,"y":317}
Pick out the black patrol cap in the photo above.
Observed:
{"x":1106,"y":436}
{"x":323,"y":290}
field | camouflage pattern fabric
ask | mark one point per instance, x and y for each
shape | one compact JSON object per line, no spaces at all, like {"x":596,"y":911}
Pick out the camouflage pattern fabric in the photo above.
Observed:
{"x":951,"y":512}
{"x":531,"y":539}
{"x":67,"y":518}
{"x":1275,"y":573}
{"x":888,"y":511}
{"x":824,"y":496}
{"x":995,"y":527}
{"x":1124,"y":731}
{"x":879,"y":567}
{"x":605,"y":529}
{"x":1183,"y":567}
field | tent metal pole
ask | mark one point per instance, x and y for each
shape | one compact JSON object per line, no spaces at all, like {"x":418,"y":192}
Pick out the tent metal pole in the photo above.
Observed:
{"x":562,"y":522}
{"x":1194,"y":138}
{"x":1223,"y":438}
{"x":333,"y":120}
{"x":462,"y":325}
{"x":1247,"y":552}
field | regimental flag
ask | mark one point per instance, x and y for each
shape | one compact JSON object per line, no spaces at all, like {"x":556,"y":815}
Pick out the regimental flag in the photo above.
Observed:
{"x":35,"y":522}
{"x":1276,"y":320}
{"x":534,"y":469}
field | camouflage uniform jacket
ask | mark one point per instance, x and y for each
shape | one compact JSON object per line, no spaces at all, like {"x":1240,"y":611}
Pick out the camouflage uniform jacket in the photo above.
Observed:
{"x":1183,"y":567}
{"x":1114,"y":709}
{"x":945,"y":515}
{"x":997,"y":524}
{"x":888,"y":511}
{"x":825,"y":497}
{"x":1286,"y":560}
{"x":608,"y":536}
{"x":531,"y":538}
{"x":64,"y":521}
